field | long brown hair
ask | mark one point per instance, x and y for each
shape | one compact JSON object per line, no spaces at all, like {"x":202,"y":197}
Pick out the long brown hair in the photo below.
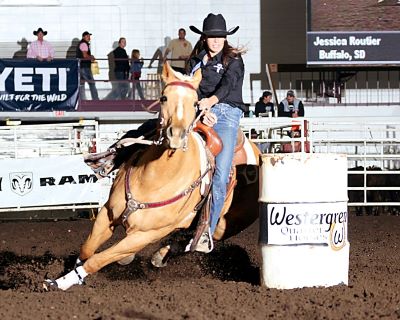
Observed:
{"x":228,"y":52}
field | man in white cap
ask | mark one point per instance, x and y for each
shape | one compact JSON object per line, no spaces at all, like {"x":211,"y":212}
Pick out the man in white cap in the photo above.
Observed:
{"x":291,"y":106}
{"x":40,"y":49}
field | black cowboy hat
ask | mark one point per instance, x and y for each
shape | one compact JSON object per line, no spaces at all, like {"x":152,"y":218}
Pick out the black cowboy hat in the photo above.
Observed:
{"x":214,"y":25}
{"x":39,"y":30}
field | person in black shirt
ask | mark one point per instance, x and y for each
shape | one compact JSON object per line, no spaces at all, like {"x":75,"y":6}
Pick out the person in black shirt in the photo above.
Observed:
{"x":86,"y":58}
{"x":121,"y":70}
{"x":264,"y":105}
{"x":220,"y":95}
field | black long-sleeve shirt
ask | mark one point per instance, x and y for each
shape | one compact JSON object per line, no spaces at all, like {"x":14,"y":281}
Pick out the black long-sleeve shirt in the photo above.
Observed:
{"x":225,"y":82}
{"x":121,"y":65}
{"x":262,"y":107}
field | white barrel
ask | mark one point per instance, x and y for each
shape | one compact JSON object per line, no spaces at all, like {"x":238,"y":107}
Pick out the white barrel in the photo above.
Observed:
{"x":303,"y":220}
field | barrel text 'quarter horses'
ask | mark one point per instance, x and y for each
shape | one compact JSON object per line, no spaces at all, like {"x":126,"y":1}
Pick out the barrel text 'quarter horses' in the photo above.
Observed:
{"x":156,"y":194}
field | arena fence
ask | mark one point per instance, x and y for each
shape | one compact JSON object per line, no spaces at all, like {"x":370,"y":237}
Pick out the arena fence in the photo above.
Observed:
{"x":371,"y":145}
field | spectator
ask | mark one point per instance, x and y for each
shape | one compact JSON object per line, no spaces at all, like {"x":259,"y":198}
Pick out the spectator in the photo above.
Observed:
{"x":84,"y":54}
{"x":121,"y":69}
{"x":40,"y":49}
{"x":264,"y":105}
{"x":180,"y":51}
{"x":136,"y":72}
{"x":291,"y":106}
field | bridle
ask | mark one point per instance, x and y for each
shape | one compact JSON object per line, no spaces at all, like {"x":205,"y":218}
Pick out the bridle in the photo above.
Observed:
{"x":133,"y":205}
{"x":163,"y":99}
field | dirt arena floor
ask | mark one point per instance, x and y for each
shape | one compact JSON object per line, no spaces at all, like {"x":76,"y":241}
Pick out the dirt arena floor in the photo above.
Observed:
{"x":222,"y":285}
{"x":355,"y":15}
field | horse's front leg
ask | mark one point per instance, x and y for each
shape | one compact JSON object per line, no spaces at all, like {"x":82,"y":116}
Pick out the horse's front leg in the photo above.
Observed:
{"x":102,"y":230}
{"x":128,"y":246}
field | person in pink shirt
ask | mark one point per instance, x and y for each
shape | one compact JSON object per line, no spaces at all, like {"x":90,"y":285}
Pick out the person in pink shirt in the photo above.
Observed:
{"x":40,"y":49}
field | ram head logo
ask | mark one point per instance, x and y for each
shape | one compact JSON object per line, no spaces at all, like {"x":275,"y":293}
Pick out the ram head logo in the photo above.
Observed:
{"x":21,"y":182}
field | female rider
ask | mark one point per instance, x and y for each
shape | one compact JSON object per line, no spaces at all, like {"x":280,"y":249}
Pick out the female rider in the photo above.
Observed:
{"x":220,"y":95}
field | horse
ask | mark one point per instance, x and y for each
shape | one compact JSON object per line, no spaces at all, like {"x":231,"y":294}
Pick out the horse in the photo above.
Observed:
{"x":156,"y":193}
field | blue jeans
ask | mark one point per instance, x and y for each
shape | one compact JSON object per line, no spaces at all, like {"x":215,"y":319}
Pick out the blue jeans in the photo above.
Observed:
{"x":86,"y":75}
{"x":120,"y":89}
{"x":227,"y":128}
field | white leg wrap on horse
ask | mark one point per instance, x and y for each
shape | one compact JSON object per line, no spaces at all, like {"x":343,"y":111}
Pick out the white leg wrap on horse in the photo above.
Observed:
{"x":73,"y":277}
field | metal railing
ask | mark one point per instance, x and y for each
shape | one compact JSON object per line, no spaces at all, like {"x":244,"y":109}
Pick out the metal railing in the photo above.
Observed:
{"x":44,"y":140}
{"x":372,"y":87}
{"x":372,"y":149}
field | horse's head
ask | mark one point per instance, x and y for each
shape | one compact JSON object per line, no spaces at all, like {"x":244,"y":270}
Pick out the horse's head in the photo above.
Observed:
{"x":178,"y":105}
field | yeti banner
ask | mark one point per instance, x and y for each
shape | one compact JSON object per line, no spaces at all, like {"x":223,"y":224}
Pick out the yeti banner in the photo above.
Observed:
{"x":61,"y":180}
{"x":30,"y":85}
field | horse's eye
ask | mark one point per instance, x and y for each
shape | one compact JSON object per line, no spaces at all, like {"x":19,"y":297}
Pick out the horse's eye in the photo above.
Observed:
{"x":163,"y":99}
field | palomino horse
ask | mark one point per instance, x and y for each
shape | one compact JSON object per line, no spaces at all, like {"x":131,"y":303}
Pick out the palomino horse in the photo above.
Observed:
{"x":156,"y":194}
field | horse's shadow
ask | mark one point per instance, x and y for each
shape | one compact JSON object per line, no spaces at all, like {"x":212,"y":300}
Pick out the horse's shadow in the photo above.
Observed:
{"x":25,"y":272}
{"x":232,"y":263}
{"x":225,"y":263}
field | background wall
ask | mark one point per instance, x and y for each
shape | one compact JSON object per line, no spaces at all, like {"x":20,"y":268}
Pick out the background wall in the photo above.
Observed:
{"x":144,"y":23}
{"x":283,"y":31}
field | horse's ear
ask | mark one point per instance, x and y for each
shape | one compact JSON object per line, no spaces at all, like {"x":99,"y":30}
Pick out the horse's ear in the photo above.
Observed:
{"x":196,"y":78}
{"x":168,"y":73}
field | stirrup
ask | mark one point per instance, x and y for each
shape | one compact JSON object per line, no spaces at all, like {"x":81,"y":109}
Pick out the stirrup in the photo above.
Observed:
{"x":205,"y":243}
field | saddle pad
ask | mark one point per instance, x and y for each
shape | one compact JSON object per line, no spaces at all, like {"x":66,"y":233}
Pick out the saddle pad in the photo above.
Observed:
{"x":250,"y":156}
{"x":203,"y":161}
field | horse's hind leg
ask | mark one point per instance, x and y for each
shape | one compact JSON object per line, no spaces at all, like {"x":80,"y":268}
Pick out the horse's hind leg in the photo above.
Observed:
{"x":177,"y":244}
{"x":102,"y":231}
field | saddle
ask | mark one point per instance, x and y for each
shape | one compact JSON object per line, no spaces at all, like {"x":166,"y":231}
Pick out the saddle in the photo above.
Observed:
{"x":214,"y":143}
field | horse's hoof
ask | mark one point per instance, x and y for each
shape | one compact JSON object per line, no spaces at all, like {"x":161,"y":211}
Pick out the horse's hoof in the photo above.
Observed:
{"x":157,"y":260}
{"x":126,"y":260}
{"x":49,"y":284}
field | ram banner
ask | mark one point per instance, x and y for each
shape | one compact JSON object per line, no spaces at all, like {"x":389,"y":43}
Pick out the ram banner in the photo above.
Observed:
{"x":31,"y":85}
{"x":47,"y":181}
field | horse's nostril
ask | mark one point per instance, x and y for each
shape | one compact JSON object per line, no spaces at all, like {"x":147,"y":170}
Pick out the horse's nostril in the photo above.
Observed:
{"x":169,"y":132}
